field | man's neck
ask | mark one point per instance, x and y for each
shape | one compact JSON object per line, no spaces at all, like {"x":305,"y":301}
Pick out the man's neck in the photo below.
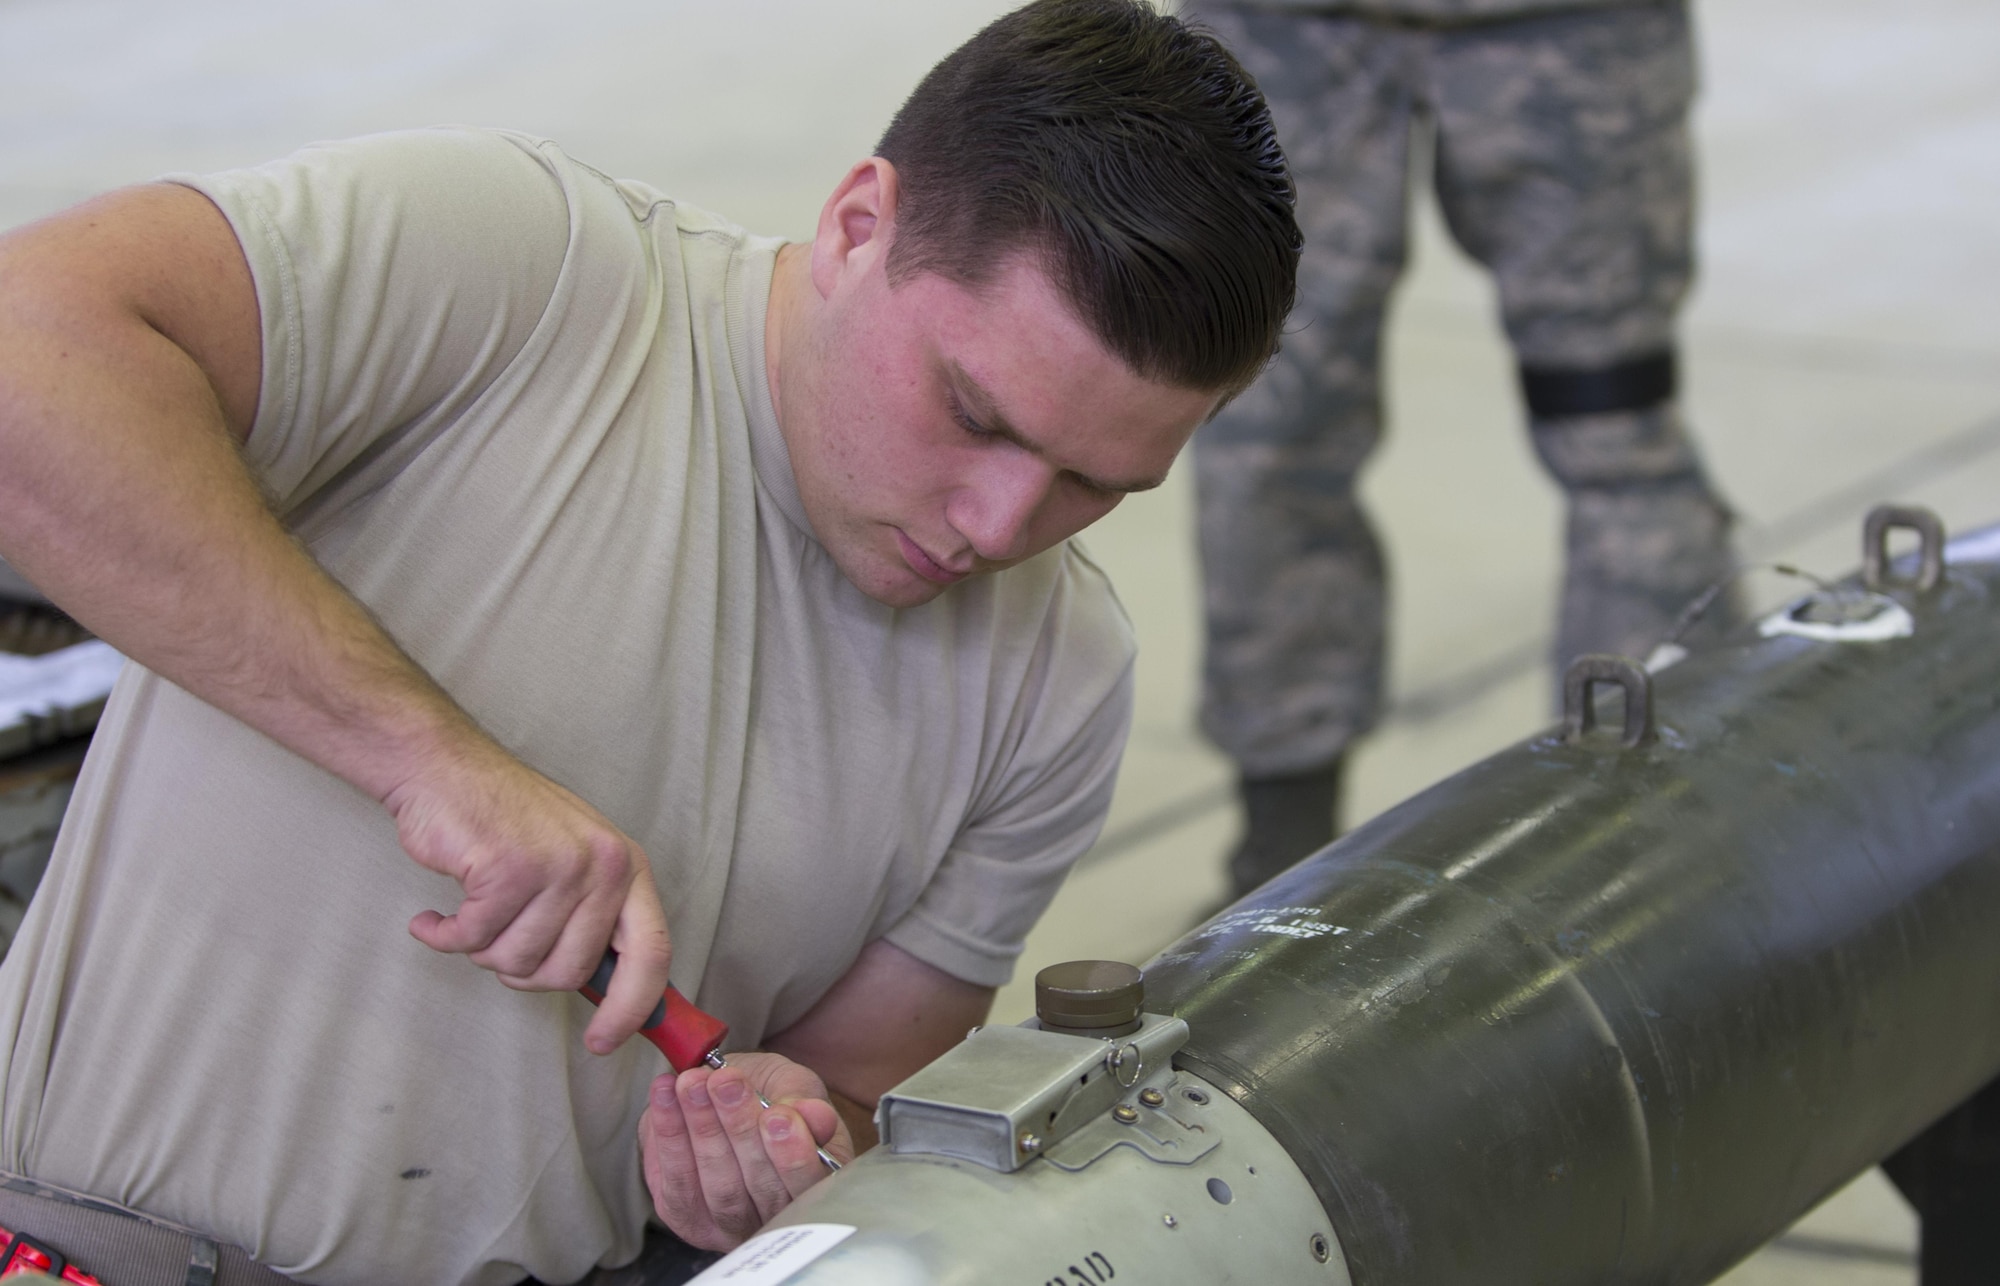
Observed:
{"x":791,"y":290}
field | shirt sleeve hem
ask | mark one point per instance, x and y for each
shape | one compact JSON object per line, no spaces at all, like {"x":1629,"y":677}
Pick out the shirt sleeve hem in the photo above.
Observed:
{"x":963,"y":957}
{"x":274,"y":277}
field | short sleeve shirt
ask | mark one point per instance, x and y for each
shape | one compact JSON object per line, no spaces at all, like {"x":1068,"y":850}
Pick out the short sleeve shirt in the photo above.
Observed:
{"x":521,"y":411}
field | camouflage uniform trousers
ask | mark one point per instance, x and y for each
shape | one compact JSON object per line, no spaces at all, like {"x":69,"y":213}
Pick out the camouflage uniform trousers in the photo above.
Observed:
{"x":1562,"y":163}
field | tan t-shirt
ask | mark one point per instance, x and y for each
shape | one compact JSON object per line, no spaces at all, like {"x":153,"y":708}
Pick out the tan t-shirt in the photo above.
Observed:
{"x":521,"y":411}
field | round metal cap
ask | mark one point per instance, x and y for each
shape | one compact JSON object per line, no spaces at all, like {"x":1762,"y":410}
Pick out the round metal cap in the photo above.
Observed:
{"x":1093,"y":997}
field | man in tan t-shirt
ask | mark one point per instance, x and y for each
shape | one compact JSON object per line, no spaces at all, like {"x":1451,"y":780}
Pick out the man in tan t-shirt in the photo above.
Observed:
{"x":437,"y":484}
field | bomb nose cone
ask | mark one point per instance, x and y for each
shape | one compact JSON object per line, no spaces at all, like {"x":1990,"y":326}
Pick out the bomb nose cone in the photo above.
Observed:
{"x":1089,"y":998}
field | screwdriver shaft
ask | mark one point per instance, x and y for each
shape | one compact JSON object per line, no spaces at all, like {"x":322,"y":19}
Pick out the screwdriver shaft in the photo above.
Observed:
{"x":715,"y":1060}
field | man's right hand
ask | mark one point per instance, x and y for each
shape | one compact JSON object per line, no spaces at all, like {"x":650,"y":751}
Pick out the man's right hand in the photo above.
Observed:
{"x":130,"y":368}
{"x":548,"y":880}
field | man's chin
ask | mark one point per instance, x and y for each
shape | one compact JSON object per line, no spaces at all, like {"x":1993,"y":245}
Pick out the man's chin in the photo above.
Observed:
{"x":895,"y":587}
{"x":914,"y":593}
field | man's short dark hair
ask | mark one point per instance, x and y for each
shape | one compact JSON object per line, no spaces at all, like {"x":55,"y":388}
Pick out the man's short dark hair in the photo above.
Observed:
{"x":1129,"y":153}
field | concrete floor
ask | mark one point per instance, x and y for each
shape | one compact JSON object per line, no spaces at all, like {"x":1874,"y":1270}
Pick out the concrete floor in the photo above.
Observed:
{"x":1842,"y":349}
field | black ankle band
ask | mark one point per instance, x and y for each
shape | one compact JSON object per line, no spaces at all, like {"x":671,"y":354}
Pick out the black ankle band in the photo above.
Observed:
{"x":1557,"y":391}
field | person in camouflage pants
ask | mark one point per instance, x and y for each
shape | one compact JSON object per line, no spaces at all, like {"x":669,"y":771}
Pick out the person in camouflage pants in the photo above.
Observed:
{"x":1562,"y":163}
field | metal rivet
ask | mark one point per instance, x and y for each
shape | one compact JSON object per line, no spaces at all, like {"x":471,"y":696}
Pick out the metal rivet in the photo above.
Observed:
{"x":1170,"y":1221}
{"x":1321,"y":1251}
{"x":1029,"y":1143}
{"x":1151,"y":1097}
{"x":1125,"y":1114}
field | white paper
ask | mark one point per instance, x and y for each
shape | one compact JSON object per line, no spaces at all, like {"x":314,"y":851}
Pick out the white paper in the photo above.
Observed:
{"x":36,"y":686}
{"x":771,"y":1257}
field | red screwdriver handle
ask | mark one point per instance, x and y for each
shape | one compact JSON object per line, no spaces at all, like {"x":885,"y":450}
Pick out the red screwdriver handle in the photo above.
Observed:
{"x":685,"y":1034}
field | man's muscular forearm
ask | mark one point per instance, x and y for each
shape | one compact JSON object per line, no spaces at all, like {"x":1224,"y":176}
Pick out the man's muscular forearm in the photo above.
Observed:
{"x":130,"y":355}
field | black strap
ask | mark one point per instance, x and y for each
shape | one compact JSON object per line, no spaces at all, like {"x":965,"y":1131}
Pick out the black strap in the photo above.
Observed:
{"x":133,"y":1233}
{"x":1557,"y":391}
{"x":204,"y":1257}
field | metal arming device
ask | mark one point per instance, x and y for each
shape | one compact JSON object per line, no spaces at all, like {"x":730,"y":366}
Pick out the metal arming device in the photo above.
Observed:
{"x":1613,"y":1006}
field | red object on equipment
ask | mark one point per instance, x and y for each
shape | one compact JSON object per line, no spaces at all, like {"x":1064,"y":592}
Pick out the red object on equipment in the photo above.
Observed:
{"x":685,"y":1034}
{"x":23,"y":1254}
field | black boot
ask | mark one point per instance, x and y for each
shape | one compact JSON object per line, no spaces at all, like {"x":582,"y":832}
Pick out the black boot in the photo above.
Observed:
{"x":1285,"y":819}
{"x":1950,"y":1174}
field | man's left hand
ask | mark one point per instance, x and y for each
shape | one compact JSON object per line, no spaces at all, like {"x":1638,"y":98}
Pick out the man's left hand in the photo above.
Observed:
{"x":718,"y":1164}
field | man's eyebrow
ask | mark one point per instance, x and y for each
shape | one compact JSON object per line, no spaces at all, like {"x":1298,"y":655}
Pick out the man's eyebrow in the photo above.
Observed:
{"x":979,"y":404}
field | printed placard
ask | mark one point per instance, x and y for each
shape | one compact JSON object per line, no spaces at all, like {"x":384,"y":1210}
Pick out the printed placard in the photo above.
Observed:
{"x":772,"y":1257}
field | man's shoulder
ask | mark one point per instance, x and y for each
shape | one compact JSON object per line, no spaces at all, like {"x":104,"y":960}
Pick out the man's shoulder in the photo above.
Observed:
{"x":1063,"y":598}
{"x":431,"y":154}
{"x":1085,"y":577}
{"x":439,"y":155}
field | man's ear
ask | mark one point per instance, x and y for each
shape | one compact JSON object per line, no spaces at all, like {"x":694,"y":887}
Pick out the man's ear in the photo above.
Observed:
{"x":856,"y":224}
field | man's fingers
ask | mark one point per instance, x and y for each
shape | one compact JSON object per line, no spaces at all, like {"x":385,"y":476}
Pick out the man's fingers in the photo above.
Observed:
{"x":644,"y":954}
{"x":825,"y":1124}
{"x":672,"y":1172}
{"x":473,"y":927}
{"x":789,"y":1142}
{"x":716,"y":1159}
{"x":427,"y":927}
{"x":547,"y":878}
{"x":743,"y":1119}
{"x":556,"y":944}
{"x":544,"y":946}
{"x":722,"y":1184}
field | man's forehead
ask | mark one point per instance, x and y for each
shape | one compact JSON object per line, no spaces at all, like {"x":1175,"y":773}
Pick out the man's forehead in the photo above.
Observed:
{"x":1059,"y":440}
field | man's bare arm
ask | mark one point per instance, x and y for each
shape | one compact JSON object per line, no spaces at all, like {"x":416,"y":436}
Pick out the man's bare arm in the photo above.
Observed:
{"x":130,"y":362}
{"x":889,"y":1015}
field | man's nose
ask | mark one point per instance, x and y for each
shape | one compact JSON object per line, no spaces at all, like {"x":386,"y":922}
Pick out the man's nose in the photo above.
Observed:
{"x":995,"y":512}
